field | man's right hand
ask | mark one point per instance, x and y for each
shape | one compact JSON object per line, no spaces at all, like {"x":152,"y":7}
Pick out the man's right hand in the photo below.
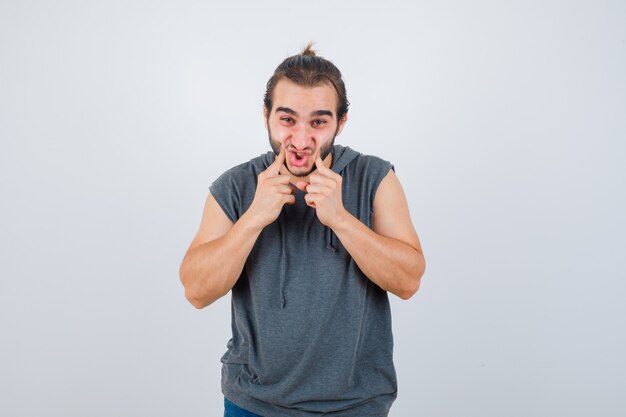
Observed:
{"x":272,"y":192}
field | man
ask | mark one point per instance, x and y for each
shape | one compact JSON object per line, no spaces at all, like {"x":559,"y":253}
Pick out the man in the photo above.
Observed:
{"x":309,"y":238}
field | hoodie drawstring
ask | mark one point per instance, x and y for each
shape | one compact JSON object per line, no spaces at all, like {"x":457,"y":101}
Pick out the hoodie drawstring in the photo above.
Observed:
{"x":331,"y":244}
{"x":338,"y":163}
{"x":330,"y":239}
{"x":283,"y":260}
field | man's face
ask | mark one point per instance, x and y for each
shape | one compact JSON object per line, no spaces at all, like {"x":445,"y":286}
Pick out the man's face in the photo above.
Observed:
{"x":304,"y":121}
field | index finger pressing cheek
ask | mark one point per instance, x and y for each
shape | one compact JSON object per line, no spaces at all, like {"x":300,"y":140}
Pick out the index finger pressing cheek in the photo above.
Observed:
{"x":278,"y":162}
{"x":322,"y":169}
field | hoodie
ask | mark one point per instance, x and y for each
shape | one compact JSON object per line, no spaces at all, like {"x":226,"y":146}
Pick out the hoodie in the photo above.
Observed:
{"x":311,"y":334}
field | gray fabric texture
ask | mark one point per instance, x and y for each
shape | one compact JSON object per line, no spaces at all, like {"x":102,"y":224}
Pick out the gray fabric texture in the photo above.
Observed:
{"x":311,"y":334}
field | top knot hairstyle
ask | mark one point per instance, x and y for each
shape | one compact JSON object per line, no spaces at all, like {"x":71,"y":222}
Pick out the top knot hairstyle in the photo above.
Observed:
{"x":308,"y":70}
{"x":308,"y":50}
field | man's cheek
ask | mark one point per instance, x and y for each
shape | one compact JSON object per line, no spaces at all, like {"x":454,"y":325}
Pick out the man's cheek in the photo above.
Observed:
{"x":275,"y":145}
{"x":326,"y":150}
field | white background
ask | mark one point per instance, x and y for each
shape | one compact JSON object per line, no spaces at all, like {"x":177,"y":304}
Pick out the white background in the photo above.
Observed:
{"x":505,"y":122}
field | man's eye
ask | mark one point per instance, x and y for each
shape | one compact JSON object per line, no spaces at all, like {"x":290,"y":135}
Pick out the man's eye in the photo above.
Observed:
{"x":286,"y":119}
{"x":319,"y":122}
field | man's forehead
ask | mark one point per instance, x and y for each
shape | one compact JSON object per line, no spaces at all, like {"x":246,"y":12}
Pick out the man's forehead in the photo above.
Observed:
{"x":318,"y":100}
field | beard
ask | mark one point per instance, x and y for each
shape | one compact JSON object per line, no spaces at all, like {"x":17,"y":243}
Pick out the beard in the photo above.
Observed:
{"x":324,"y":151}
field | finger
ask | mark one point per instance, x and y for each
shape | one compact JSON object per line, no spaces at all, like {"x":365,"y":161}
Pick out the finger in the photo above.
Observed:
{"x":316,"y":189}
{"x":274,"y":169}
{"x":302,"y":185}
{"x":279,"y":179}
{"x":318,"y":178}
{"x":290,"y":199}
{"x":310,"y":201}
{"x":284,"y":189}
{"x":322,"y":168}
{"x":330,"y":182}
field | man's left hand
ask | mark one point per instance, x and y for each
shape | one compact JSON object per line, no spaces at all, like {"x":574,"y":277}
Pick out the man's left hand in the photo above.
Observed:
{"x":324,"y":194}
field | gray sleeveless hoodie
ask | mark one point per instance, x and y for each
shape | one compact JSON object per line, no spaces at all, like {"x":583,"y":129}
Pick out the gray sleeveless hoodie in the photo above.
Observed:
{"x":311,"y":334}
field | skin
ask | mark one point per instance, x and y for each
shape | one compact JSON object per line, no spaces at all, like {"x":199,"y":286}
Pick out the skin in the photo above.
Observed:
{"x":303,"y":119}
{"x":389,"y":254}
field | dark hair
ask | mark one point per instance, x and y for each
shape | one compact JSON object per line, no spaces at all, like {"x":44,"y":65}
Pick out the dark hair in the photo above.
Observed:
{"x":308,"y":69}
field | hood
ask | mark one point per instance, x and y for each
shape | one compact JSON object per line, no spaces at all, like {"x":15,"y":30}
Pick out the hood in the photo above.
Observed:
{"x":342,"y":156}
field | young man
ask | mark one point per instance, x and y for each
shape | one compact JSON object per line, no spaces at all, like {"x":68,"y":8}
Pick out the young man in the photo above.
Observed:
{"x":309,"y":238}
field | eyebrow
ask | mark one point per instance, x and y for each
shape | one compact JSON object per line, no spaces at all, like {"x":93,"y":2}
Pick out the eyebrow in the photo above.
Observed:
{"x":315,"y":113}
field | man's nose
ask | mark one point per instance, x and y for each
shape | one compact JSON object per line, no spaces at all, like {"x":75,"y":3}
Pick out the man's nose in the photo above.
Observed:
{"x":302,"y":137}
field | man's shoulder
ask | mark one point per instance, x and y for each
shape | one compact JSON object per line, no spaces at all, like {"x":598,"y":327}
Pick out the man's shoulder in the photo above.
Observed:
{"x":252,"y":167}
{"x":365,"y":162}
{"x":241,"y":179}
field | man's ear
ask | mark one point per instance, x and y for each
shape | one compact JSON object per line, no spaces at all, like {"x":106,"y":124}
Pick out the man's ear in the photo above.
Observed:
{"x":342,"y":123}
{"x":265,"y":116}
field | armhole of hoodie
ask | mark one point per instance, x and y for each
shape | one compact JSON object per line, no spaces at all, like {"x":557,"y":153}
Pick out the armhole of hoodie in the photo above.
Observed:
{"x":380,"y":170}
{"x":224,"y":190}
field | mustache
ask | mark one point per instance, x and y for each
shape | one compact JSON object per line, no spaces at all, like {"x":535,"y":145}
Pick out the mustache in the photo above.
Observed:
{"x":307,"y":151}
{"x":324,"y":150}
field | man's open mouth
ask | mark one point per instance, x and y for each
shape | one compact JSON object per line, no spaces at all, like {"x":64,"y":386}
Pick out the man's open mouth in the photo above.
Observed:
{"x":299,"y":159}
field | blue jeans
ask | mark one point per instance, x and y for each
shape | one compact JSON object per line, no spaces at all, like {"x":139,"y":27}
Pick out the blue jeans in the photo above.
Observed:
{"x":231,"y":410}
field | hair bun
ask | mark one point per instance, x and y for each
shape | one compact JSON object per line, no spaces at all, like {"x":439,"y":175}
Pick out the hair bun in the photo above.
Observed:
{"x":308,"y":50}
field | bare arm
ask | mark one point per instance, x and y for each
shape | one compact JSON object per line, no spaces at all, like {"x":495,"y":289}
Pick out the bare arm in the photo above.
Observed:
{"x":390,"y":254}
{"x":211,"y":268}
{"x":217,"y":254}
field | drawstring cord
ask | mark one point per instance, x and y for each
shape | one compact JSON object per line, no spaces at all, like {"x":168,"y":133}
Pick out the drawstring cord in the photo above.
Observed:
{"x":283,"y":261}
{"x":330,"y":239}
{"x":330,"y":244}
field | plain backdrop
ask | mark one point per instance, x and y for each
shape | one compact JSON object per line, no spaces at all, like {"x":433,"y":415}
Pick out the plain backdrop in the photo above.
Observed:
{"x":505,"y":122}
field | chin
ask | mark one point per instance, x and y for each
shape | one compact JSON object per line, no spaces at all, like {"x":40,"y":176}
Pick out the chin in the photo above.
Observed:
{"x":300,"y":171}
